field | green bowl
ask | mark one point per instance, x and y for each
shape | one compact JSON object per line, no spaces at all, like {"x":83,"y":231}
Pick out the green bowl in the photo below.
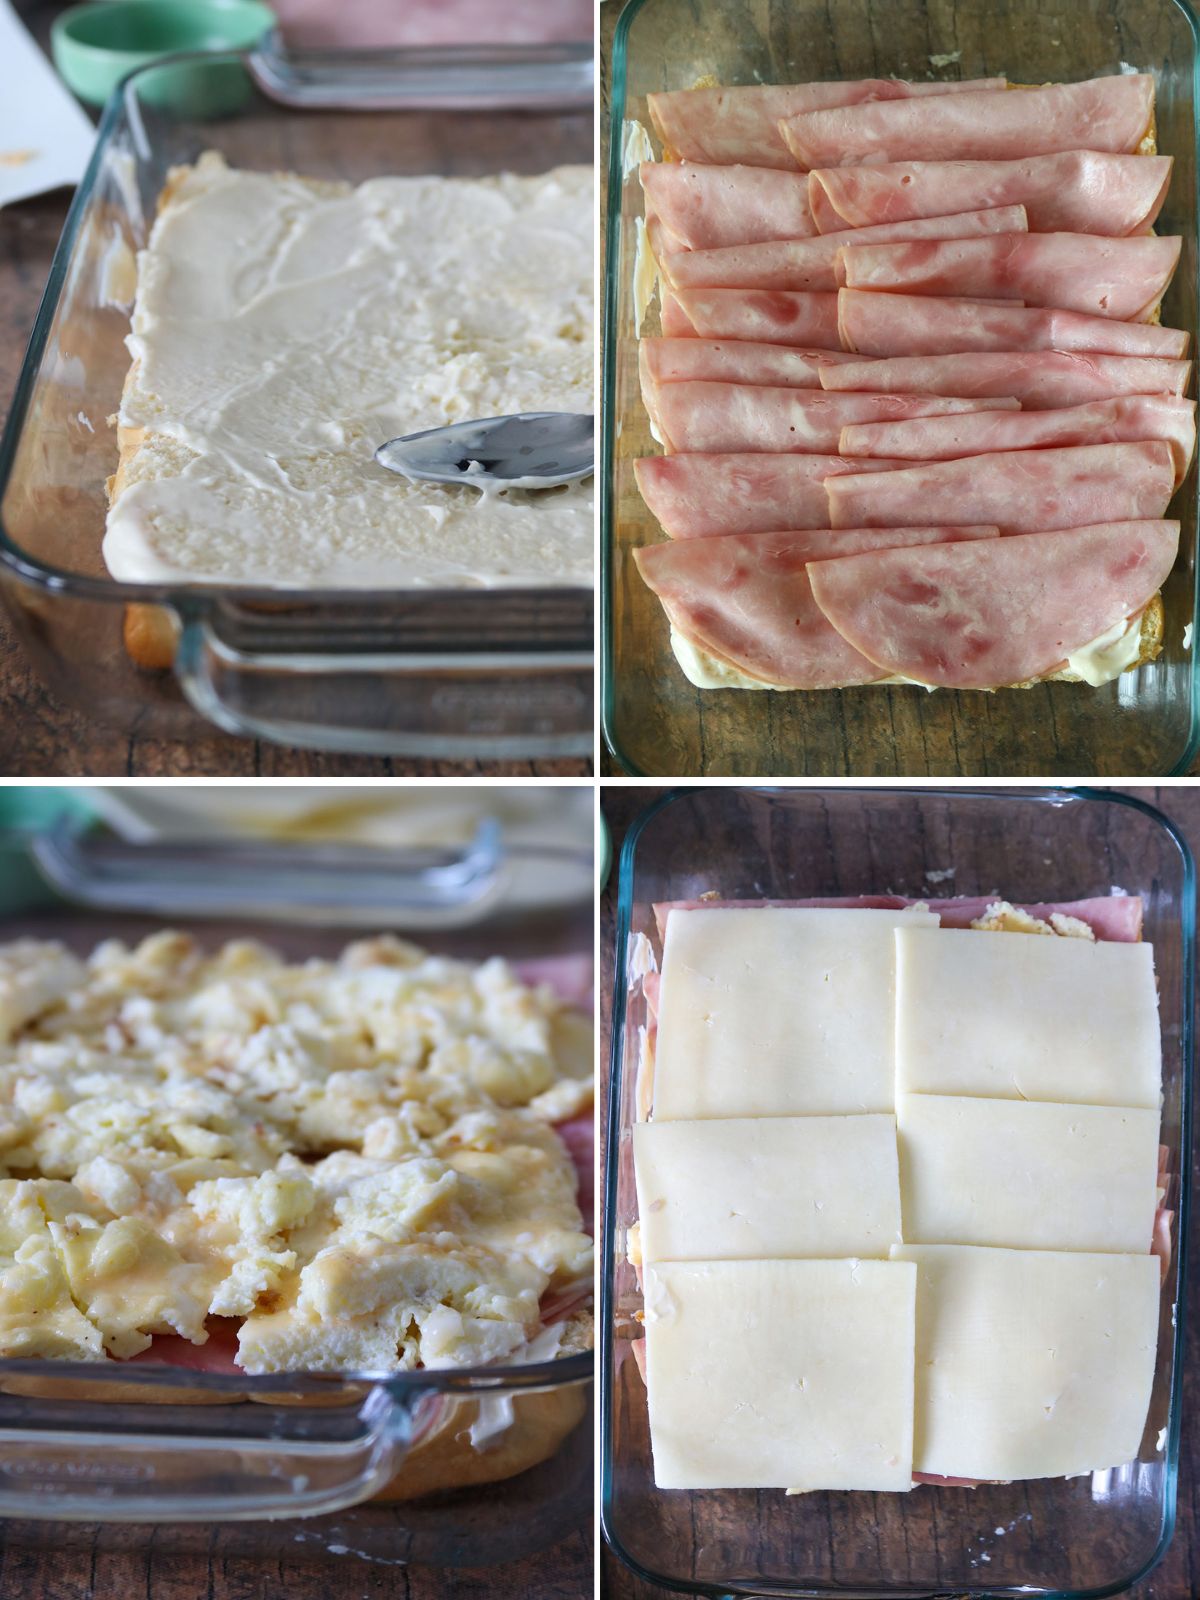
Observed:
{"x":95,"y":46}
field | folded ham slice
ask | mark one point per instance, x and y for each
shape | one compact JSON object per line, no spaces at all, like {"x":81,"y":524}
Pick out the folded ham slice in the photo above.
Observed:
{"x":997,"y":612}
{"x":1111,"y":114}
{"x":701,"y":495}
{"x":733,"y":361}
{"x":741,"y":124}
{"x":1129,"y":418}
{"x":707,"y":417}
{"x":1022,"y":491}
{"x":1039,"y":379}
{"x":921,"y":325}
{"x":766,"y":316}
{"x":708,"y":207}
{"x":746,"y":599}
{"x":1120,"y":278}
{"x":1075,"y":191}
{"x":810,"y":263}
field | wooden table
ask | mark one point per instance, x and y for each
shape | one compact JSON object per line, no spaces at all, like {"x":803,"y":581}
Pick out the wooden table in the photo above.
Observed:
{"x":40,"y":736}
{"x":1178,"y":1576}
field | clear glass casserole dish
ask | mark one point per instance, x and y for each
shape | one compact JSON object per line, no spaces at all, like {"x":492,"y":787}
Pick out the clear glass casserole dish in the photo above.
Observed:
{"x":253,"y":1454}
{"x":1147,"y":721}
{"x":466,"y":674}
{"x":1085,"y":1536}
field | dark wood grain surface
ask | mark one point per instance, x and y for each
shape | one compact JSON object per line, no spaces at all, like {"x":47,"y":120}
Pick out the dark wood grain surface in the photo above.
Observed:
{"x":1178,"y":1576}
{"x":40,"y":736}
{"x":661,"y":726}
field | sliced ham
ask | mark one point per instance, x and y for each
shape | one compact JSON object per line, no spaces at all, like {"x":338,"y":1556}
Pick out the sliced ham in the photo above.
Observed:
{"x":1023,"y":491}
{"x":1130,"y":418}
{"x":746,"y":599}
{"x":698,"y":496}
{"x":733,"y":361}
{"x":708,"y":417}
{"x":1075,"y":191}
{"x":741,"y":124}
{"x":1120,"y":278}
{"x":1114,"y":918}
{"x":766,"y":316}
{"x":705,"y":208}
{"x":994,"y":612}
{"x":1112,"y":114}
{"x":810,"y":263}
{"x":921,"y":325}
{"x":1039,"y":379}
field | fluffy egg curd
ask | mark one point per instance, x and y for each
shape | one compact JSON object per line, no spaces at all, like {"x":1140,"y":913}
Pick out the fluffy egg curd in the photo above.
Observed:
{"x":356,"y":1159}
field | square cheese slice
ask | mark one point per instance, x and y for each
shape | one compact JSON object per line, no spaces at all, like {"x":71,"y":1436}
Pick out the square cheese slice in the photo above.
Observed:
{"x":1016,"y":1017}
{"x":1031,"y":1363}
{"x":780,"y":1374}
{"x":1027,"y":1174}
{"x":758,"y":1187}
{"x":778,"y":1012}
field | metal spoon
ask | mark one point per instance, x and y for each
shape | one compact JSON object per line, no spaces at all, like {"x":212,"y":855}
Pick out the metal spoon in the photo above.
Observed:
{"x":531,"y":450}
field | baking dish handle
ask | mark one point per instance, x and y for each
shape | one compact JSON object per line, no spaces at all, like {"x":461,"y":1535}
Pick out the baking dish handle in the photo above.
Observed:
{"x":483,"y":705}
{"x":169,"y":1463}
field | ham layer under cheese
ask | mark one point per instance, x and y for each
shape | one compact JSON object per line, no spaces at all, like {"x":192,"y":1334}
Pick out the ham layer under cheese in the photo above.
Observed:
{"x":733,"y":361}
{"x":1120,"y":278}
{"x":1075,"y":191}
{"x":747,"y":600}
{"x":896,"y":324}
{"x":810,"y":264}
{"x":705,"y":208}
{"x":1107,"y":114}
{"x":768,"y":316}
{"x":1000,"y":611}
{"x":1125,"y":420}
{"x":1021,"y":491}
{"x":741,"y":123}
{"x":699,"y":496}
{"x":1038,"y":379}
{"x":720,"y":417}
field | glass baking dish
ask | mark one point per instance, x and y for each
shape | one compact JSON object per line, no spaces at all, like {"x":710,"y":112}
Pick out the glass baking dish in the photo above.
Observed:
{"x":283,"y":1465}
{"x":1146,"y":722}
{"x":1068,"y":1537}
{"x":447,"y":674}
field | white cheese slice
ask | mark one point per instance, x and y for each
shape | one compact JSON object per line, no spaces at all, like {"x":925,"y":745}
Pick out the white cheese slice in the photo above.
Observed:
{"x":1031,"y":1363}
{"x":756,"y":1187}
{"x":1028,"y":1175}
{"x":1027,"y":1019}
{"x":780,"y":1374}
{"x":776,"y":1012}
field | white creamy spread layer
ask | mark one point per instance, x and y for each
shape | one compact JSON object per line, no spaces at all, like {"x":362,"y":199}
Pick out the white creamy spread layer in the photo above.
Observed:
{"x":284,"y":329}
{"x":356,"y":1159}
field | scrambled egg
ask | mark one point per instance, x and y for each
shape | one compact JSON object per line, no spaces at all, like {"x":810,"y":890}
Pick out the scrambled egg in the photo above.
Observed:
{"x":356,"y":1158}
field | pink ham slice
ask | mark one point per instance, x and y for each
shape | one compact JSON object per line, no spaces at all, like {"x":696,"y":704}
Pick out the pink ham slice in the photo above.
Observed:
{"x":741,"y":124}
{"x":765,"y":316}
{"x":1023,"y":491}
{"x":699,"y":496}
{"x":996,"y":612}
{"x":1120,"y":278}
{"x":1039,"y":379}
{"x":1116,"y":918}
{"x":928,"y":325}
{"x":1110,"y":114}
{"x":719,"y":417}
{"x":1076,"y":191}
{"x":1128,"y":419}
{"x":733,"y":361}
{"x":708,"y":207}
{"x":810,"y":263}
{"x":746,"y":599}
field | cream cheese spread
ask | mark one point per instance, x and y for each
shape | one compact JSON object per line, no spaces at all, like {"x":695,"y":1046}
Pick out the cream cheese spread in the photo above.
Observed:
{"x":354,"y":1158}
{"x":284,"y":329}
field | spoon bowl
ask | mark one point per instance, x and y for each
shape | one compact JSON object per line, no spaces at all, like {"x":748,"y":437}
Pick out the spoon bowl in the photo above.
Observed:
{"x":529,"y":450}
